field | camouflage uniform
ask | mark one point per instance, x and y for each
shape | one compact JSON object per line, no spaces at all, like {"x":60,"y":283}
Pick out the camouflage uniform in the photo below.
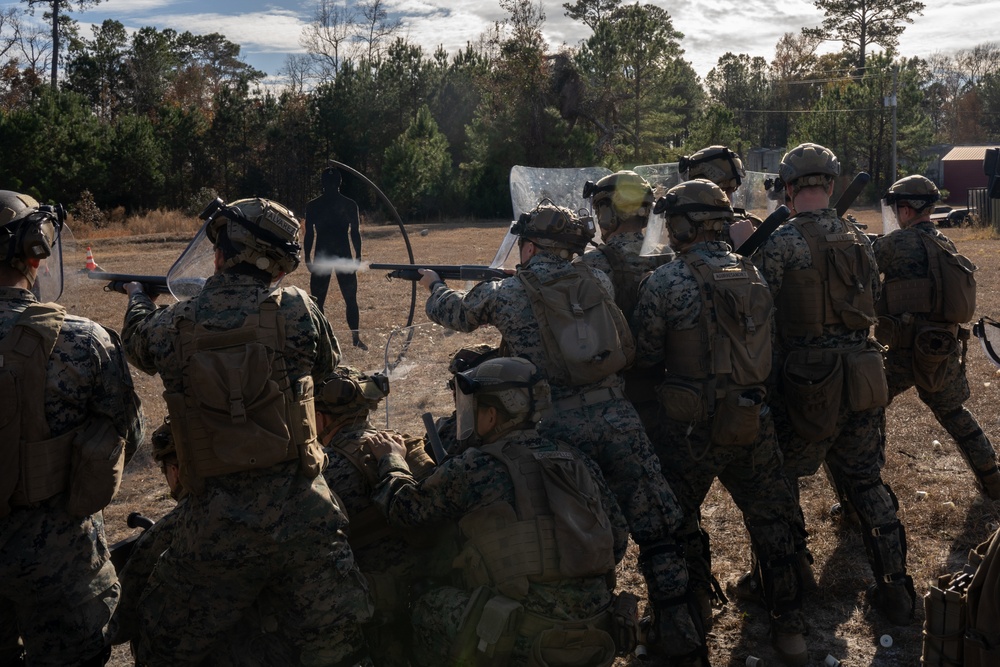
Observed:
{"x":60,"y":587}
{"x":752,"y":473}
{"x":901,"y":255}
{"x":639,"y":383}
{"x":854,"y":452}
{"x":391,"y":559}
{"x":607,"y":429}
{"x":268,"y":537}
{"x":469,"y":481}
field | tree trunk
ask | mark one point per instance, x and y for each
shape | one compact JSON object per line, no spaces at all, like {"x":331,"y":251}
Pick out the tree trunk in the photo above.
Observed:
{"x":55,"y":42}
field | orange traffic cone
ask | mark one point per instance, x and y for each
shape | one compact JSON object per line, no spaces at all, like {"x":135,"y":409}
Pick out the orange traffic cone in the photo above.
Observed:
{"x":91,"y":264}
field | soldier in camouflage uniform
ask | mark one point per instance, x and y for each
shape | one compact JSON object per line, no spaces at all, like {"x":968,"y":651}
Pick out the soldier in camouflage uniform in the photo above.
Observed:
{"x":596,"y":418}
{"x":390,"y":558}
{"x":622,"y":203}
{"x":907,"y":308}
{"x":829,"y":396}
{"x":151,"y":543}
{"x":542,"y":530}
{"x":64,"y":386}
{"x":723,"y":167}
{"x":678,"y":325}
{"x":260,"y":526}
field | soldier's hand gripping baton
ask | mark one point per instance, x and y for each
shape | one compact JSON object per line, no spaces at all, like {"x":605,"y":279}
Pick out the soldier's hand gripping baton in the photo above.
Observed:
{"x":117,"y":281}
{"x":445,"y":271}
{"x":765,"y":229}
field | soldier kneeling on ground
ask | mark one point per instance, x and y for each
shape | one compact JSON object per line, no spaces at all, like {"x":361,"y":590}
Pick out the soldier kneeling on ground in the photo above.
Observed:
{"x":542,"y":533}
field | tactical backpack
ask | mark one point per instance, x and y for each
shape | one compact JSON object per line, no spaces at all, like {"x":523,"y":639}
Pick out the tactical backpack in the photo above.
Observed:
{"x":585,"y":334}
{"x":947,"y":294}
{"x":717,"y":370}
{"x":86,"y":463}
{"x":627,"y":272}
{"x":836,"y":289}
{"x":238,"y":410}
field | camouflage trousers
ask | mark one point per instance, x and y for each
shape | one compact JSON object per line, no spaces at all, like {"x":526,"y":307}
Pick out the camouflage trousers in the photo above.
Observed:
{"x":612,"y":434}
{"x":59,"y":588}
{"x":854,"y":455}
{"x":947,"y":406}
{"x":753,"y":476}
{"x":274,"y":582}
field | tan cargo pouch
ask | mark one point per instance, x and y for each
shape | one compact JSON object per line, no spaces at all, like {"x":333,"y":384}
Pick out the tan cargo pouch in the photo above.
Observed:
{"x":945,"y":621}
{"x":583,"y":643}
{"x":962,"y":613}
{"x":813,"y":383}
{"x":585,"y":335}
{"x":914,"y":295}
{"x":737,"y":416}
{"x":683,"y":400}
{"x":33,"y":466}
{"x":98,"y":464}
{"x":982,"y":638}
{"x":572,"y":648}
{"x":865,"y":380}
{"x":932,"y":347}
{"x":497,"y":630}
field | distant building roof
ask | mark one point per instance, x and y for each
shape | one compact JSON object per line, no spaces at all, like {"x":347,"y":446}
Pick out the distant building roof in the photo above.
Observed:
{"x":967,"y":153}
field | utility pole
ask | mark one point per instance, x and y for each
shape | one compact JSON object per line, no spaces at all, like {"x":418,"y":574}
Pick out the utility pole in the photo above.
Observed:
{"x":895,"y":74}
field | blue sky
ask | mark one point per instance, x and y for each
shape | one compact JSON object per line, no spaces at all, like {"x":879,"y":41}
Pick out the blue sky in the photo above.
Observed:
{"x":268,"y":31}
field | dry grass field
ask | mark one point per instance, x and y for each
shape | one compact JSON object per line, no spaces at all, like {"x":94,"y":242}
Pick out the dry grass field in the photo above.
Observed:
{"x":941,"y":526}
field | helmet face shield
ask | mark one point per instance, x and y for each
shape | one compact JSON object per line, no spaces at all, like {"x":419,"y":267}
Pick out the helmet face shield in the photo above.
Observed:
{"x":465,"y":408}
{"x":49,"y":279}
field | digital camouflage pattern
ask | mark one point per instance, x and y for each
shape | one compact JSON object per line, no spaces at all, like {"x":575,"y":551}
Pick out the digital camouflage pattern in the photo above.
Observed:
{"x":854,"y":453}
{"x":60,"y":587}
{"x":609,"y":432}
{"x":752,"y":474}
{"x":469,"y":481}
{"x":394,"y":557}
{"x":902,"y":255}
{"x":787,"y":250}
{"x":639,"y":385}
{"x":266,"y":538}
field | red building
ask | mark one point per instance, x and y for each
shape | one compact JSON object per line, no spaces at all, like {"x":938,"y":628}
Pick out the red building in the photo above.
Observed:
{"x":961,"y":170}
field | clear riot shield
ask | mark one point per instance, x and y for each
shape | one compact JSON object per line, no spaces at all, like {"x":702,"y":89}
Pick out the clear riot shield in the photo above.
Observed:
{"x":416,"y":360}
{"x":530,"y":185}
{"x":662,"y":177}
{"x":752,"y":197}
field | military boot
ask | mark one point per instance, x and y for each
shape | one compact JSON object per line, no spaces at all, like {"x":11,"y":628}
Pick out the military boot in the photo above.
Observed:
{"x":747,"y":588}
{"x":895,"y":600}
{"x":989,"y":483}
{"x":791,"y":648}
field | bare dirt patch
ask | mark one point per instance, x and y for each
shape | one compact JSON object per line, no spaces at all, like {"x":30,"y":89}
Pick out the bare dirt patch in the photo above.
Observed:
{"x":941,"y":527}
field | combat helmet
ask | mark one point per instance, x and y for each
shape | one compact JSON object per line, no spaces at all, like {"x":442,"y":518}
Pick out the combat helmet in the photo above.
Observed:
{"x":808,"y":164}
{"x":618,"y":197}
{"x":718,"y":164}
{"x":263,"y":233}
{"x":917,"y":192}
{"x":555,"y":228}
{"x":348,"y":396}
{"x":513,"y":383}
{"x":162,"y":442}
{"x":28,"y":231}
{"x":694,"y":205}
